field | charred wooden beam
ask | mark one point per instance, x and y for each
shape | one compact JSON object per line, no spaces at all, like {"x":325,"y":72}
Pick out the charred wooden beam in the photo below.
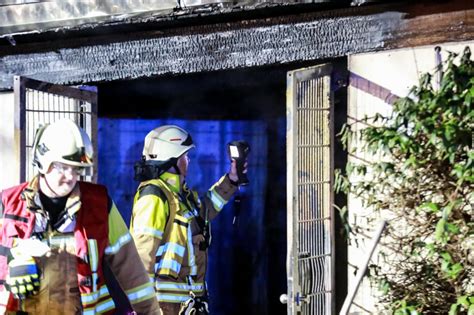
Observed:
{"x":240,"y":44}
{"x":433,"y":29}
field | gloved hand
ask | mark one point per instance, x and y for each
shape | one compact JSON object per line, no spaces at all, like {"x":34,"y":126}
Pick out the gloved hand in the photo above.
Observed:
{"x":195,"y":306}
{"x":23,"y":277}
{"x":238,"y":151}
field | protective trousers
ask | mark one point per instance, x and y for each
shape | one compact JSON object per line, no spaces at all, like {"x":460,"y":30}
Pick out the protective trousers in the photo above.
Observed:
{"x":170,"y":308}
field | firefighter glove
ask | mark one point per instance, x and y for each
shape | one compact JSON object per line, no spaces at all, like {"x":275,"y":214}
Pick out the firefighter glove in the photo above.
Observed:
{"x":195,"y":306}
{"x":23,"y":277}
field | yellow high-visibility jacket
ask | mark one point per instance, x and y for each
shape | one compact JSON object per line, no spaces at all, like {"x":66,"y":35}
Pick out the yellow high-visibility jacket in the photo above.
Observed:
{"x":163,"y":226}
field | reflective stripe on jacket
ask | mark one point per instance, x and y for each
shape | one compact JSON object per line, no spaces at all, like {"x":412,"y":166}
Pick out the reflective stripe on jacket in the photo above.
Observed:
{"x":99,"y":233}
{"x":176,"y":249}
{"x":154,"y":204}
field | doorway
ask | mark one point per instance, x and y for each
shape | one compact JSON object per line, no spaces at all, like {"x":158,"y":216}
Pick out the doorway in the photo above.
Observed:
{"x":247,"y":271}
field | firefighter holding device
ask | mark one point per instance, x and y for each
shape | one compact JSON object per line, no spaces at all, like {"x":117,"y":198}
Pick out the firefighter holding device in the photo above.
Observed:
{"x":170,"y":224}
{"x":57,"y":233}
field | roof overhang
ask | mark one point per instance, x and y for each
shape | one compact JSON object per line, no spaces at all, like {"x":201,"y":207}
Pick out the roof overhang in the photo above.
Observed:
{"x":221,"y":43}
{"x":20,"y":17}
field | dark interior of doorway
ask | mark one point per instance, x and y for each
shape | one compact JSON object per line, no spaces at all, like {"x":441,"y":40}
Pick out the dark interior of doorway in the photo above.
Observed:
{"x":247,"y":276}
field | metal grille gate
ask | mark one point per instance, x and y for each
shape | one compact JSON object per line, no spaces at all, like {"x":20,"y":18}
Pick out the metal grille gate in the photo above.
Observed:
{"x":310,"y":262}
{"x":38,"y":103}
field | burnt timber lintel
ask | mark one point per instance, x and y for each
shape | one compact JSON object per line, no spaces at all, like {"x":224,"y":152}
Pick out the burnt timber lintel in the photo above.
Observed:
{"x":228,"y":46}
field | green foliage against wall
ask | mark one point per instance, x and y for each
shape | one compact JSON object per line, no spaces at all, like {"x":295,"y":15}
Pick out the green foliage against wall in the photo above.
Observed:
{"x":422,"y":181}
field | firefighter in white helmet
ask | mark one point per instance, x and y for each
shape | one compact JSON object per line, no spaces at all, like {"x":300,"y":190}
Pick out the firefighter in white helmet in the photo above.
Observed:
{"x":58,"y":232}
{"x":170,"y":224}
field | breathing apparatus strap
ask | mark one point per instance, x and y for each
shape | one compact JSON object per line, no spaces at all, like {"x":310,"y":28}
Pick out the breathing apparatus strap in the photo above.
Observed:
{"x":203,"y":223}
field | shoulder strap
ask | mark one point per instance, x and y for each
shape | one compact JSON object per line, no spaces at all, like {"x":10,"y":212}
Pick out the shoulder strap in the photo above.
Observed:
{"x":202,"y":222}
{"x":151,"y":189}
{"x":162,"y":190}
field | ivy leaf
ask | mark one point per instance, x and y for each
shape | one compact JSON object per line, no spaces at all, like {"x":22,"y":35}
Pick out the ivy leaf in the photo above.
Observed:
{"x":454,"y":270}
{"x":452,"y":228}
{"x":431,"y":206}
{"x":453,"y":310}
{"x":439,"y":233}
{"x":462,"y":300}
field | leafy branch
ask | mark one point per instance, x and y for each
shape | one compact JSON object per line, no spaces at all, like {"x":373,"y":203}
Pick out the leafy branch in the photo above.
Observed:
{"x":420,"y":175}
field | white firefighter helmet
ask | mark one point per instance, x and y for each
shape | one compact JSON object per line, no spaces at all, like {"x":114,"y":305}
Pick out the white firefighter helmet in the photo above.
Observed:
{"x":62,"y":141}
{"x":166,"y":142}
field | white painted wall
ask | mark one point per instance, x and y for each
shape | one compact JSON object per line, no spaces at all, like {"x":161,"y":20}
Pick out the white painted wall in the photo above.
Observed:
{"x":9,"y":161}
{"x":397,"y":71}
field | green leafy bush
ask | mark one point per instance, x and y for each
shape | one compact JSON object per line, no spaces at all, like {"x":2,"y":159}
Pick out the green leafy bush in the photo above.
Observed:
{"x":421,"y":178}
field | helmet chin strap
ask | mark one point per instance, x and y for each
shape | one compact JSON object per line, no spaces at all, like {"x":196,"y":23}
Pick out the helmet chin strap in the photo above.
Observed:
{"x":176,"y":168}
{"x":49,"y":186}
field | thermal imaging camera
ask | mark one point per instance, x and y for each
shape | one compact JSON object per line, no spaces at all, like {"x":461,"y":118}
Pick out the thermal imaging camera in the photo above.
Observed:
{"x":238,"y":151}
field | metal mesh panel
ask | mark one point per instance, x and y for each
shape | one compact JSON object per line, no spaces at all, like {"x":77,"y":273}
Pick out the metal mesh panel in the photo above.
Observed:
{"x":43,"y":103}
{"x":312,"y":231}
{"x":314,"y":218}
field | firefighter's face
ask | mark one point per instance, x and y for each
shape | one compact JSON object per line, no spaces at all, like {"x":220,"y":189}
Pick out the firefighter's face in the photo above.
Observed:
{"x":183,"y":163}
{"x":62,"y":178}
